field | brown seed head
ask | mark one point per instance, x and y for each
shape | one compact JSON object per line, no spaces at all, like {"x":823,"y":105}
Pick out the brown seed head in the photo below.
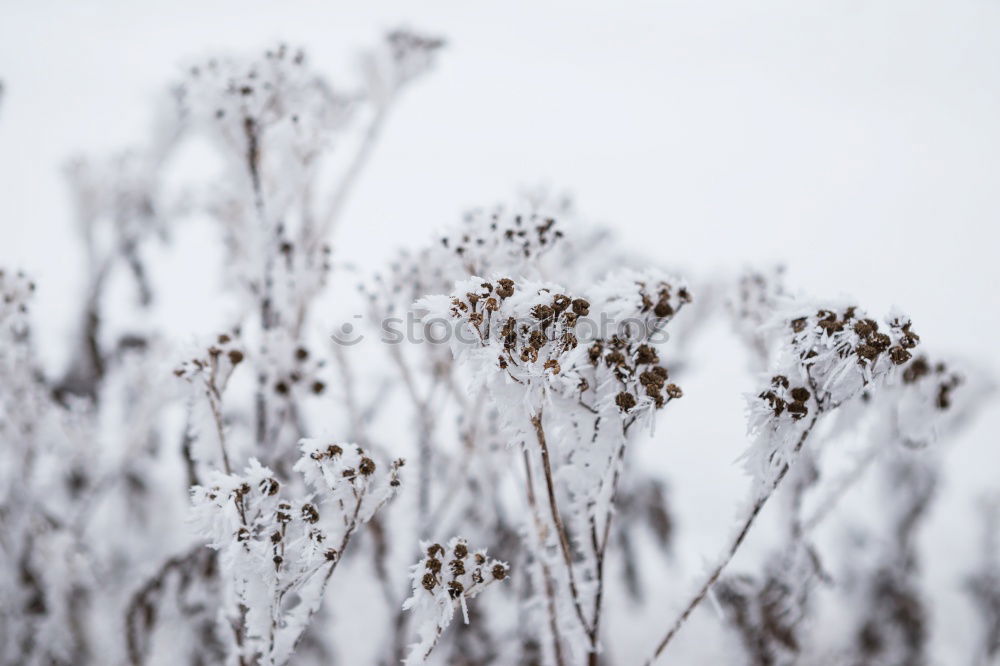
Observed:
{"x":800,"y":394}
{"x":625,"y":401}
{"x":898,"y":355}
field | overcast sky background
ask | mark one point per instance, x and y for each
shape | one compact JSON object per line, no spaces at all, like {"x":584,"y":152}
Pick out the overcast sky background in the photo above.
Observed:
{"x":856,"y":141}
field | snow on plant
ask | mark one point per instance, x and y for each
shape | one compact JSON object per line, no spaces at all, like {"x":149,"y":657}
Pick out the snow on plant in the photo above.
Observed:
{"x":522,"y":341}
{"x":929,"y":401}
{"x":984,"y":583}
{"x":210,"y":374}
{"x":273,"y":547}
{"x":446,"y":578}
{"x":755,"y":298}
{"x":827,"y":355}
{"x":564,"y":351}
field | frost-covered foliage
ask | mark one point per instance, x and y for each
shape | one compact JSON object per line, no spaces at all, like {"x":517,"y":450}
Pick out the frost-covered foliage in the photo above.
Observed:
{"x":275,"y":547}
{"x":189,"y":500}
{"x":445,"y":578}
{"x":825,"y":357}
{"x":984,"y":584}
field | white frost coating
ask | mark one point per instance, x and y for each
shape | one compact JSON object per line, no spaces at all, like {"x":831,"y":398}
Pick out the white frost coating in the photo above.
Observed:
{"x":933,"y":398}
{"x":287,"y":105}
{"x":828,"y":355}
{"x":570,"y":375}
{"x":446,"y":578}
{"x":345,"y":475}
{"x":273,"y":548}
{"x":752,"y":302}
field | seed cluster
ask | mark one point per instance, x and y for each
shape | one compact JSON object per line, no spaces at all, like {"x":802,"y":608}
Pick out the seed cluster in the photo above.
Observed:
{"x":302,"y":370}
{"x":490,"y":241}
{"x":870,"y":343}
{"x":545,"y":334}
{"x":364,"y":467}
{"x":404,"y":44}
{"x":782,"y":397}
{"x":220,"y":359}
{"x":456,"y":570}
{"x":409,"y":276}
{"x":637,"y":368}
{"x":757,"y":295}
{"x":531,"y":329}
{"x":658,"y":298}
{"x":255,"y":91}
{"x":945,"y":380}
{"x":266,"y":517}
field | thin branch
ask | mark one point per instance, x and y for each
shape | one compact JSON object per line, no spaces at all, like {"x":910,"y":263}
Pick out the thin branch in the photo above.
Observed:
{"x":550,"y":592}
{"x":564,"y":544}
{"x":730,"y":551}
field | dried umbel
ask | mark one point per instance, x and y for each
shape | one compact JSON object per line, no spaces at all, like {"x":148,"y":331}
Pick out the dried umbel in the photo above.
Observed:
{"x":827,"y":356}
{"x":625,"y":365}
{"x":935,"y":397}
{"x":841,"y":350}
{"x":522,"y":333}
{"x":510,"y":238}
{"x":209,"y":373}
{"x":767,"y":613}
{"x":272,"y":546}
{"x":445,"y":579}
{"x":215,"y":364}
{"x":752,"y":303}
{"x":499,"y":239}
{"x":122,"y":193}
{"x":555,"y":361}
{"x":255,"y":105}
{"x":348,"y":475}
{"x":402,"y":56}
{"x":529,"y":334}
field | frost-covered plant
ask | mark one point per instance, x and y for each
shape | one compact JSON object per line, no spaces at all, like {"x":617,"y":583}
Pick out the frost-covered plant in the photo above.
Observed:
{"x":522,"y":342}
{"x":91,"y":459}
{"x":984,"y":584}
{"x":446,"y":578}
{"x":757,"y":295}
{"x":827,"y":356}
{"x":932,"y":401}
{"x":146,"y":518}
{"x":274,"y":548}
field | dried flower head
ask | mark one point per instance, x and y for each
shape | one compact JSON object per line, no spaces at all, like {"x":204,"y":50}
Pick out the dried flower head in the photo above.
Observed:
{"x":827,"y":356}
{"x":436,"y":593}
